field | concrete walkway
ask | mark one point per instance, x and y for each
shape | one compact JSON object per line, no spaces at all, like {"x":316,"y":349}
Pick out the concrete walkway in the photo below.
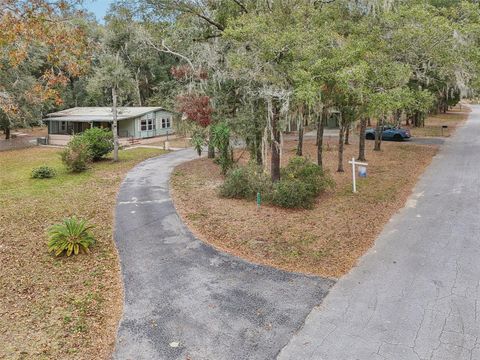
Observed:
{"x":185,"y":300}
{"x":415,"y":295}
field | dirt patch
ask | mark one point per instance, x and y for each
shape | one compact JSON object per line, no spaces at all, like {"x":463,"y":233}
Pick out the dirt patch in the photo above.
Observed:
{"x":58,"y":308}
{"x":326,"y":240}
{"x":22,"y":138}
{"x":176,"y":142}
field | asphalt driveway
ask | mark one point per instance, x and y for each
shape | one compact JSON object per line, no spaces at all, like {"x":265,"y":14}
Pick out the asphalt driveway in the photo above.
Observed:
{"x":416,"y":294}
{"x":186,"y":300}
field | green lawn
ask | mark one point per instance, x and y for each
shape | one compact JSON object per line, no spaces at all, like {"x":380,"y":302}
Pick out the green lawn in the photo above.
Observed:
{"x":58,"y":308}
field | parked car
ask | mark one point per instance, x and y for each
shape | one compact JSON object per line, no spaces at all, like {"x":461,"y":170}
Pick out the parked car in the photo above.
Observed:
{"x":389,"y":133}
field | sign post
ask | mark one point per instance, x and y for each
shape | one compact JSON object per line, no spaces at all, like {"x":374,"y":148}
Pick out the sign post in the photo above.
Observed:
{"x":354,"y":163}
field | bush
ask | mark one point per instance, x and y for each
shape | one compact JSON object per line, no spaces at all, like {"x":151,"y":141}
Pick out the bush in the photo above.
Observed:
{"x":43,"y":172}
{"x":198,"y":141}
{"x":245,"y":182}
{"x":221,"y":140}
{"x":72,"y":236}
{"x":236,"y":184}
{"x":301,"y":182}
{"x":312,"y":175}
{"x":99,"y":142}
{"x":292,"y":194}
{"x":76,"y":156}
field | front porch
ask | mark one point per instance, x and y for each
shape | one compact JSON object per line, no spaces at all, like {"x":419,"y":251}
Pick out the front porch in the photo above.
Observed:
{"x":61,"y":132}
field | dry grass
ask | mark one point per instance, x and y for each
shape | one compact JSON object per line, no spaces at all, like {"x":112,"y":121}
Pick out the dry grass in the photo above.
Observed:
{"x":58,"y":308}
{"x":434,"y":123}
{"x":326,"y":240}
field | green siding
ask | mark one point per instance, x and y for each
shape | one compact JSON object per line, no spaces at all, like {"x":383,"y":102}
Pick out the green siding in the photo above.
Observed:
{"x":158,"y":131}
{"x":131,"y":127}
{"x":126,"y":128}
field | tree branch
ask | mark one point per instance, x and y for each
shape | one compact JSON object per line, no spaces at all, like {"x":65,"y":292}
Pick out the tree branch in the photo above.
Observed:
{"x":242,"y":6}
{"x":210,"y":21}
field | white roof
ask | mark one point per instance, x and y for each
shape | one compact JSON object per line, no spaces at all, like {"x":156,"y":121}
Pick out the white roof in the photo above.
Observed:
{"x":100,"y":113}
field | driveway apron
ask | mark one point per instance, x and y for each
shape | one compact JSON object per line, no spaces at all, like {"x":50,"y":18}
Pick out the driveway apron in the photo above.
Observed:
{"x":186,"y":300}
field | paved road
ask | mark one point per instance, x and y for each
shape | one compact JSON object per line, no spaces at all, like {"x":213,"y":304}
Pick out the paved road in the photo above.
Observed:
{"x":333,"y":133}
{"x":427,"y":140}
{"x":415,"y":295}
{"x":185,"y":300}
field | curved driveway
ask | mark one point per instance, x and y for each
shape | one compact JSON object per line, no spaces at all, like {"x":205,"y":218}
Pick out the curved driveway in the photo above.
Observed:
{"x":186,"y":300}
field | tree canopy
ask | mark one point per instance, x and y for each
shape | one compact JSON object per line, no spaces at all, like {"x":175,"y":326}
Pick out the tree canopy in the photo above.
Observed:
{"x":256,"y":66}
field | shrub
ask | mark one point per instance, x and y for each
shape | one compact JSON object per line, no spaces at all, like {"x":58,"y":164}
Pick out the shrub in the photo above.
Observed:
{"x":71,"y":236}
{"x":236,"y":184}
{"x":43,"y":172}
{"x":76,"y":155}
{"x":292,"y":194}
{"x":198,"y":141}
{"x":221,"y":140}
{"x":99,"y":142}
{"x":301,"y":182}
{"x":312,"y":175}
{"x":245,"y":182}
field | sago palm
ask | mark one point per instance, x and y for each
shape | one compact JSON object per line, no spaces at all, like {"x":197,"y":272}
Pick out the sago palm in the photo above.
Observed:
{"x":72,"y":236}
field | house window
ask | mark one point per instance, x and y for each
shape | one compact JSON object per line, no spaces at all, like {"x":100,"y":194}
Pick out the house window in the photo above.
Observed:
{"x":147,"y":124}
{"x":166,"y":123}
{"x":63,"y":126}
{"x":151,"y":124}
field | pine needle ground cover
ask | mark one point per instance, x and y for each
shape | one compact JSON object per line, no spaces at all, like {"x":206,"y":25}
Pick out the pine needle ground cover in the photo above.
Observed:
{"x":58,"y":307}
{"x":434,"y":123}
{"x":326,"y":240}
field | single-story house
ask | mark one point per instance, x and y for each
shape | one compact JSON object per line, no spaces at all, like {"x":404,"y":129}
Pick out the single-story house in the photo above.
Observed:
{"x":133,"y":122}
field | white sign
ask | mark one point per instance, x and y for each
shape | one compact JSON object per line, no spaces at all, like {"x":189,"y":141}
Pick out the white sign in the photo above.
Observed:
{"x":361,"y":173}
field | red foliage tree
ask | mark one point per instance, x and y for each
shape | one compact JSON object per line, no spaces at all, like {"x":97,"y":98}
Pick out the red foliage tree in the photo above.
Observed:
{"x":184,"y":72}
{"x":196,"y":108}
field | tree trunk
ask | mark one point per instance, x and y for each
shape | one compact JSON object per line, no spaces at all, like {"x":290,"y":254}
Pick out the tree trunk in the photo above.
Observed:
{"x":137,"y":83}
{"x":369,"y":122}
{"x":341,"y":133}
{"x":211,"y":151}
{"x":398,"y":117}
{"x":114,"y":124}
{"x":416,"y":119}
{"x":211,"y":148}
{"x":320,"y":126}
{"x":300,"y":137}
{"x":7,"y":132}
{"x":255,"y":143}
{"x":258,"y":144}
{"x":361,"y":140}
{"x":275,"y":144}
{"x":347,"y":135}
{"x":422,"y":119}
{"x":378,"y":134}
